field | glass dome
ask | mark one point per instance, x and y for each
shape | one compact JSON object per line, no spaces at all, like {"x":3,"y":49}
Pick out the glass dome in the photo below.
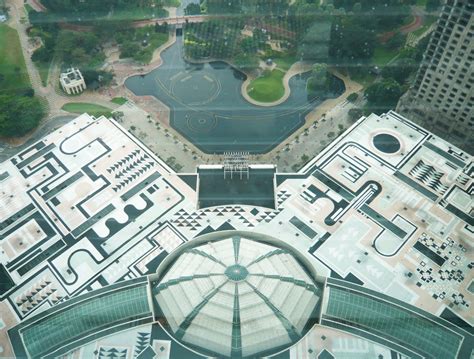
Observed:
{"x":237,"y":296}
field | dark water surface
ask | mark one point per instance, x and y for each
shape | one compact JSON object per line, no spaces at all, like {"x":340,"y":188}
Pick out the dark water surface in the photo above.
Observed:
{"x":208,"y":108}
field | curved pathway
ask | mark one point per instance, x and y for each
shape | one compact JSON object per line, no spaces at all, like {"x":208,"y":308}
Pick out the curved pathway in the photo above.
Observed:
{"x":416,"y":23}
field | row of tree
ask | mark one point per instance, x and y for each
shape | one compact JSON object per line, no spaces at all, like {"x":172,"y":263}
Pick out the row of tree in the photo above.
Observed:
{"x":97,"y":6}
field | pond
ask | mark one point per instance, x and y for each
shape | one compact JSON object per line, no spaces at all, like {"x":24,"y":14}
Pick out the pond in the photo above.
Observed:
{"x":207,"y":107}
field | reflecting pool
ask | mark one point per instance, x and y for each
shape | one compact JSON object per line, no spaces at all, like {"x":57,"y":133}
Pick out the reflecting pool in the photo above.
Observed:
{"x":207,"y":106}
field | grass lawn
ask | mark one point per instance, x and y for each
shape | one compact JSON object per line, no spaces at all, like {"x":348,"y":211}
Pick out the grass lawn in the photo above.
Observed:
{"x":382,"y":55}
{"x":268,"y":87}
{"x":429,"y":20}
{"x":90,"y":108}
{"x":285,"y":61}
{"x":13,"y":73}
{"x":156,"y":40}
{"x":119,"y":100}
{"x":171,"y":3}
{"x":365,"y":79}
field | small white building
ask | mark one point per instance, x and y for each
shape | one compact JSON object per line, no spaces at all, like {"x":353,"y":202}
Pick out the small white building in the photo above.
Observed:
{"x":72,"y":81}
{"x":3,"y":18}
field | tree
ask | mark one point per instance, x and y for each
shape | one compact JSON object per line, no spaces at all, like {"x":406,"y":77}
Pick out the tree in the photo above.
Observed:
{"x":320,"y":82}
{"x":192,"y":9}
{"x":319,"y":79}
{"x":129,"y":49}
{"x":79,"y":48}
{"x":223,"y":7}
{"x":246,"y":63}
{"x":383,"y":96}
{"x":42,"y":55}
{"x":96,"y":78}
{"x":352,"y":97}
{"x":397,"y":41}
{"x":351,"y":42}
{"x":315,"y":43}
{"x":249,"y":45}
{"x":161,"y":28}
{"x":118,"y":116}
{"x":19,"y":114}
{"x":355,"y":114}
{"x":400,"y":70}
{"x":81,"y":8}
{"x":432,"y":5}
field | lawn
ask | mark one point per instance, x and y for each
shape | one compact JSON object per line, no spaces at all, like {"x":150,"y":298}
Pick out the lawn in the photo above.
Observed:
{"x":144,"y":54}
{"x":13,"y":73}
{"x":171,"y":3}
{"x":285,"y":61}
{"x":119,"y":100}
{"x":90,"y":108}
{"x":362,"y":77}
{"x":268,"y":87}
{"x":383,"y":55}
{"x":429,"y":20}
{"x":156,"y":40}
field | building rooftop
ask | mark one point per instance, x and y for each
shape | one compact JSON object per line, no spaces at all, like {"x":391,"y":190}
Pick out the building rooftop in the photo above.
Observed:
{"x":387,"y":207}
{"x":418,"y":335}
{"x":237,"y":295}
{"x":71,"y":75}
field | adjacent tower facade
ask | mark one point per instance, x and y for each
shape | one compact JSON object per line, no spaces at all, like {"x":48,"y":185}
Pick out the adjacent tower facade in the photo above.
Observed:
{"x":442,"y":96}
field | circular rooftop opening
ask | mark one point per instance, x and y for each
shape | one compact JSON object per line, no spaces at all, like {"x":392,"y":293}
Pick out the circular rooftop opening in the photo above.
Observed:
{"x":236,"y":294}
{"x":386,"y":143}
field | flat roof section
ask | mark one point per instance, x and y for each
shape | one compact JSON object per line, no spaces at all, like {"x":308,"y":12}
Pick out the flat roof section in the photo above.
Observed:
{"x":256,"y":190}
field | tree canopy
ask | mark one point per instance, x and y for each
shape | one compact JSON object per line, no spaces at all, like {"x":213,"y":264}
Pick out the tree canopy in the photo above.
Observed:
{"x":383,"y":96}
{"x":314,"y":45}
{"x":96,"y":6}
{"x":19,"y":115}
{"x":350,"y":41}
{"x":192,"y":9}
{"x":319,"y":78}
{"x":400,"y":70}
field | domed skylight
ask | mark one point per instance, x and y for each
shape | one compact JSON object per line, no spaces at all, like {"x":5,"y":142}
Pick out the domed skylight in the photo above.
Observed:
{"x":237,"y":297}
